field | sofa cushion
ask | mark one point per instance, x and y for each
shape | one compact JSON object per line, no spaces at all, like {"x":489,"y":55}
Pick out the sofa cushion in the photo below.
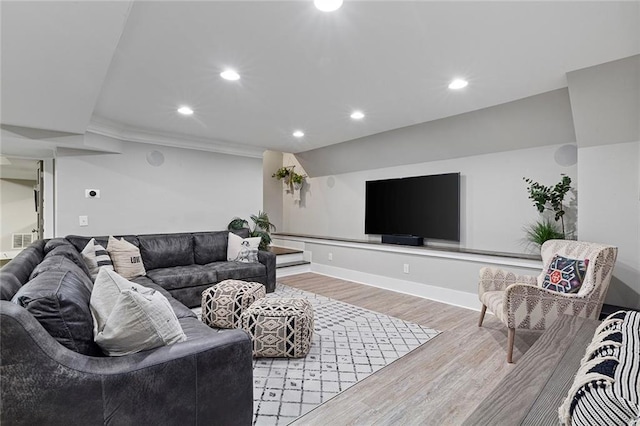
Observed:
{"x":62,"y":247}
{"x":80,"y":242}
{"x":236,"y":270}
{"x":54,"y":243}
{"x":126,"y":258}
{"x":190,"y":296}
{"x":59,"y":300}
{"x":195,"y":329}
{"x":61,"y":263}
{"x":210,"y":246}
{"x":17,"y":272}
{"x":166,"y":250}
{"x":183,"y":276}
{"x":179,"y":309}
{"x":129,"y":318}
{"x":9,"y":285}
{"x":243,"y":233}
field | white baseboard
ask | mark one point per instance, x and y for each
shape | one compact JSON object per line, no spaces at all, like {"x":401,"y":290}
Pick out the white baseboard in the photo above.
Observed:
{"x":439,"y":294}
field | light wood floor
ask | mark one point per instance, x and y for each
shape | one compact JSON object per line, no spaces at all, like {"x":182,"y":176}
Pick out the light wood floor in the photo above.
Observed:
{"x":440,"y":383}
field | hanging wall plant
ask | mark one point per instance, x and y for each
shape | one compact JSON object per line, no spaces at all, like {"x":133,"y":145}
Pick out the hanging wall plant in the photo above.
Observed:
{"x":290,"y":179}
{"x":297,"y":180}
{"x":284,"y":174}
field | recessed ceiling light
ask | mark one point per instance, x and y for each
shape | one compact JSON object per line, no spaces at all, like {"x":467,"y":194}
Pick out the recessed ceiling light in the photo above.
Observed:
{"x":230,"y":75}
{"x":357,"y":115}
{"x":327,"y":5}
{"x":458,"y":83}
{"x":185,"y":110}
{"x":298,"y":133}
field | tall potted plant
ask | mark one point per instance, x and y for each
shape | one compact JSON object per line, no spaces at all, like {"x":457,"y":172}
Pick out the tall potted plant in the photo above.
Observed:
{"x":547,"y":198}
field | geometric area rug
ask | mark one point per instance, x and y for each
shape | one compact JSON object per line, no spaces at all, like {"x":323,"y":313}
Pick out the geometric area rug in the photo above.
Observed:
{"x":349,"y":343}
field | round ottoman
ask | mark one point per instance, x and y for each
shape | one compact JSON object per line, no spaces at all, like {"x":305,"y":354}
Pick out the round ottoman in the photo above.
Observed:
{"x":279,"y":327}
{"x":223,"y":303}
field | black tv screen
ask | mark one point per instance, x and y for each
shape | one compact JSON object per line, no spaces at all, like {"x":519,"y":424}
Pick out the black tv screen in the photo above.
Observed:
{"x":424,"y":206}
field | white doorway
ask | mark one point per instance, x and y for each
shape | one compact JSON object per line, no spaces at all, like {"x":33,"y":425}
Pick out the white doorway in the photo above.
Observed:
{"x":21,"y":204}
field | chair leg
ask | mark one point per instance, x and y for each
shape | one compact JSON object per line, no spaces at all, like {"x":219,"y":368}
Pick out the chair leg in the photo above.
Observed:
{"x":482,"y":312}
{"x":510,"y":338}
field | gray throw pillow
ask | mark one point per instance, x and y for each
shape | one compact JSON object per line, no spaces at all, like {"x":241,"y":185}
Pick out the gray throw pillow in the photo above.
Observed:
{"x":129,"y":318}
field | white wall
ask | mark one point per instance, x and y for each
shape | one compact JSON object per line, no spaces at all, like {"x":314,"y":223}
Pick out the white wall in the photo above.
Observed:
{"x":610,"y":212}
{"x":191,"y":191}
{"x":272,"y":188}
{"x":17,"y":208}
{"x":494,"y":203}
{"x":605,"y":101}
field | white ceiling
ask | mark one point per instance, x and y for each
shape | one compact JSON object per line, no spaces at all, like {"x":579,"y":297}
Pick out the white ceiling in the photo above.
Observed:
{"x":122,"y":68}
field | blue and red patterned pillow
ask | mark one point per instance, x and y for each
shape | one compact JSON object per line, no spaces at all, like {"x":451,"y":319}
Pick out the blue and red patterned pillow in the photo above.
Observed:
{"x":565,"y":275}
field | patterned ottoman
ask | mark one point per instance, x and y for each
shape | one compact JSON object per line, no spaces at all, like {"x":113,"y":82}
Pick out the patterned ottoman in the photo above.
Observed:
{"x":279,"y":327}
{"x":223,"y":303}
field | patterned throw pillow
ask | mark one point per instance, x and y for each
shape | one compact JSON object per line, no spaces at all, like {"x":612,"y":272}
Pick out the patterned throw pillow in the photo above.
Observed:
{"x":126,"y":258}
{"x":242,"y":249}
{"x":565,"y":275}
{"x":95,"y":257}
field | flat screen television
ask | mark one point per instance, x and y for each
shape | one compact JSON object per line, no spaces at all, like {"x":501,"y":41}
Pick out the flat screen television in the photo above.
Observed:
{"x":424,"y":206}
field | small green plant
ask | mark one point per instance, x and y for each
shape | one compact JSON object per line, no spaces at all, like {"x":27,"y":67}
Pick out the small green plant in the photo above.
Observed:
{"x":262,"y":227}
{"x":550,"y":197}
{"x":282,"y":173}
{"x":296,"y":178}
{"x":542,"y":231}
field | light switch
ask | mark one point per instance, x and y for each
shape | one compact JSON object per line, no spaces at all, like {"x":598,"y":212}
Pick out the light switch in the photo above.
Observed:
{"x":83,"y":220}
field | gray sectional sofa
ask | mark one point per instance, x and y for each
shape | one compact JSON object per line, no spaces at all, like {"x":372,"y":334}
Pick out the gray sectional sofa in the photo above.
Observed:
{"x":186,"y":264}
{"x":52,"y":372}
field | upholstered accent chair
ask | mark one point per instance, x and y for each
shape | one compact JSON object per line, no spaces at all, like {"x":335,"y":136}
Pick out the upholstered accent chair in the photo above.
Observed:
{"x":520,"y":301}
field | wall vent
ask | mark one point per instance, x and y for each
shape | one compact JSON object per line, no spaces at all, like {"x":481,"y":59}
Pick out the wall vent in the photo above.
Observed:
{"x":21,"y":241}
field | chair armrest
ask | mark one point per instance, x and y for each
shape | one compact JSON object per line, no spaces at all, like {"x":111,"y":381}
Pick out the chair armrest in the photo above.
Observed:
{"x":188,"y":382}
{"x":268,"y":259}
{"x":531,"y":307}
{"x":495,"y":279}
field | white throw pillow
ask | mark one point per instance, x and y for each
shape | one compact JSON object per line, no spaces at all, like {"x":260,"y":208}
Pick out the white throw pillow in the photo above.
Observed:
{"x":95,"y":257}
{"x":242,"y":249}
{"x":129,"y":318}
{"x":126,"y":258}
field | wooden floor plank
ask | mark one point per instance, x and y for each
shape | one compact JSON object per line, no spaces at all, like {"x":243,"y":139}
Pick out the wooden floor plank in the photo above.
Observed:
{"x":439,"y":383}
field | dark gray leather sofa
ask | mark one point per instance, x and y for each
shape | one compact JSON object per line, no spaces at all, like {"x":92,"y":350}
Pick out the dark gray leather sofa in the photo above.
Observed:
{"x":186,"y":264}
{"x":51,"y":372}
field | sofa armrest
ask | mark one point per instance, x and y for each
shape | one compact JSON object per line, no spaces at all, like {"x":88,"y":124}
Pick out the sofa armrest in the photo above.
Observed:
{"x":268,"y":259}
{"x":186,"y":383}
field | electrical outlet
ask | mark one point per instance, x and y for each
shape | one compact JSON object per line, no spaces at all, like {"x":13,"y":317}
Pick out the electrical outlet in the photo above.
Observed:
{"x":330,"y":257}
{"x":83,"y":220}
{"x":406,"y":268}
